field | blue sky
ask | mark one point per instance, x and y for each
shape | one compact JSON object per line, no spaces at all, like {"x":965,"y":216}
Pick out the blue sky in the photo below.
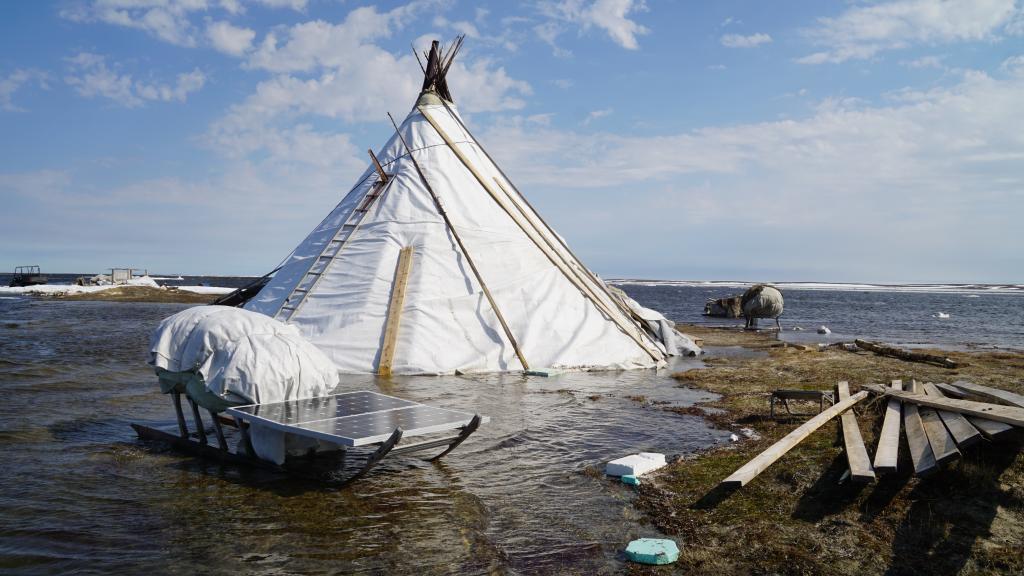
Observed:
{"x":800,"y":140}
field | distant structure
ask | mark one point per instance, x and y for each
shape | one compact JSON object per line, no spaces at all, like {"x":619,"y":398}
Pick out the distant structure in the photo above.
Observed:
{"x":762,"y":301}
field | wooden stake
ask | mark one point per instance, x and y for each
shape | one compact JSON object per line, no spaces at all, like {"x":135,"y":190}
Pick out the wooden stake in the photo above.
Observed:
{"x":887,"y":452}
{"x":751,"y":469}
{"x":853,"y":442}
{"x":402,"y":269}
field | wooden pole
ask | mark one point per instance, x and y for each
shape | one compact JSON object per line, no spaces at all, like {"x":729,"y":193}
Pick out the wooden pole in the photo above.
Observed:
{"x":462,"y":248}
{"x":402,"y":269}
{"x":630,"y":329}
{"x":748,"y":471}
{"x":887,"y":452}
{"x":905,"y":354}
{"x":853,"y":442}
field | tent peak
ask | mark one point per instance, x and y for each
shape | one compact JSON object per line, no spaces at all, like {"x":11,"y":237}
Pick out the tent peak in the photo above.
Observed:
{"x":439,"y":60}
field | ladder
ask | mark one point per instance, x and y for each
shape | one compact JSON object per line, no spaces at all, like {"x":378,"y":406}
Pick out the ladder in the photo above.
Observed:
{"x":331,"y":250}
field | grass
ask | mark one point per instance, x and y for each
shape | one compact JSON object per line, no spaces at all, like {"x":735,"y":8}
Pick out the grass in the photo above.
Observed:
{"x":796,"y":518}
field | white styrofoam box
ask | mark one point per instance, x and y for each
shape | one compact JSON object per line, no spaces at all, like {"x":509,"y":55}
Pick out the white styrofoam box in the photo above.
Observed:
{"x":635,"y":465}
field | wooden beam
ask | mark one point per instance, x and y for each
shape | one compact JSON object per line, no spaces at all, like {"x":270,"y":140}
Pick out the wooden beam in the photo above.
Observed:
{"x":387,"y":352}
{"x":943,"y":446}
{"x":1007,"y":414}
{"x":950,"y":391}
{"x":887,"y":452}
{"x":380,"y":169}
{"x":963,"y":432}
{"x":917,"y":441}
{"x":765,"y":459}
{"x":990,"y":428}
{"x":995,"y":394}
{"x":853,"y":442}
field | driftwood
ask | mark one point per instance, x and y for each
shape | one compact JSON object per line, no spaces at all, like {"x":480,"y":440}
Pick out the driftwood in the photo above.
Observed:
{"x":905,"y":354}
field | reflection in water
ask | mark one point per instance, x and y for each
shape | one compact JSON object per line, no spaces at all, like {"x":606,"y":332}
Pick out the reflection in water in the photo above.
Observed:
{"x":80,"y":492}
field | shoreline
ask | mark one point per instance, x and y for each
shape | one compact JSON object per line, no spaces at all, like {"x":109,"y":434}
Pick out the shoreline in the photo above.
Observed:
{"x":121,"y":293}
{"x":796,"y":517}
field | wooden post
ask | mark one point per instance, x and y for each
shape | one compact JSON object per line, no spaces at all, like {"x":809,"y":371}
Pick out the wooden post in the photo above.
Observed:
{"x":853,"y":442}
{"x":963,"y":432}
{"x":402,"y":269}
{"x":920,"y":450}
{"x":887,"y":453}
{"x":748,"y":471}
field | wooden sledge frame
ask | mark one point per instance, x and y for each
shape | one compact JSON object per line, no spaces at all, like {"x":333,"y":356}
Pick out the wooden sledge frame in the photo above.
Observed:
{"x":199,"y":446}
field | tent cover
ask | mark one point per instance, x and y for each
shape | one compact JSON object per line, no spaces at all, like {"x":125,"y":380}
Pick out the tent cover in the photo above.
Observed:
{"x":434,"y":263}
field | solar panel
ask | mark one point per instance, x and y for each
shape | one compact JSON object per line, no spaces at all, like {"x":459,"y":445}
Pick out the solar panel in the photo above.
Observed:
{"x":352,"y":419}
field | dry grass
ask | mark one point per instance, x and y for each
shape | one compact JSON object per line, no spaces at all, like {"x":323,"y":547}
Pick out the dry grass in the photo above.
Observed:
{"x":144,"y":294}
{"x":795,"y":518}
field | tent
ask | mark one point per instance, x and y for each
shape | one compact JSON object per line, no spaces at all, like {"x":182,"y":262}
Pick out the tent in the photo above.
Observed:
{"x":434,"y":263}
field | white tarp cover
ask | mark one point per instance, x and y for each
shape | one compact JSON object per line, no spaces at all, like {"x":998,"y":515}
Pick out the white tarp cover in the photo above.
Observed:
{"x":242,"y":356}
{"x":447,"y":324}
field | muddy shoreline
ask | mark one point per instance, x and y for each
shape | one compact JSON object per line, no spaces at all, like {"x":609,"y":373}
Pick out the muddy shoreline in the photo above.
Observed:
{"x":796,"y":518}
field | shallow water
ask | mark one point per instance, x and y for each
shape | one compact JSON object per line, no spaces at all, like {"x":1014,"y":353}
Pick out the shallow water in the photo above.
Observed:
{"x":82,"y":494}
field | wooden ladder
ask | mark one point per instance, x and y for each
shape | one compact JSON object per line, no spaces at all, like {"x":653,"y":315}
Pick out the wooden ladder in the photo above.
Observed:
{"x":318,"y":268}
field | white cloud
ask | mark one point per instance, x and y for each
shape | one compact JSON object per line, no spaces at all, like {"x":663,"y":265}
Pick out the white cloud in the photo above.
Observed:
{"x":596,"y":114}
{"x":14,"y":82}
{"x":612,"y":16}
{"x":863,"y":31}
{"x":741,"y":41}
{"x":924,"y":62}
{"x":230,"y":39}
{"x":168,"y":20}
{"x":91,"y":77}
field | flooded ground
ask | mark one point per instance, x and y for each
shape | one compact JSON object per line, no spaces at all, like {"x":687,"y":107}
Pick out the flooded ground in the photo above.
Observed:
{"x":82,"y":494}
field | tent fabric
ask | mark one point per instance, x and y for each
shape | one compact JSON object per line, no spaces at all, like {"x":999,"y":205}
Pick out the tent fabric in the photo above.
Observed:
{"x":237,"y":356}
{"x":561,"y":317}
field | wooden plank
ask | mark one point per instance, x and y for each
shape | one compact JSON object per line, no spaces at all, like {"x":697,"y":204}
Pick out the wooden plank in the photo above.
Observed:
{"x":950,"y":390}
{"x":887,"y":452}
{"x":402,"y":269}
{"x":1007,"y":414}
{"x":917,"y":441}
{"x":765,"y":459}
{"x":963,"y":432}
{"x":995,"y":394}
{"x":853,"y":442}
{"x":943,"y":446}
{"x":990,"y":428}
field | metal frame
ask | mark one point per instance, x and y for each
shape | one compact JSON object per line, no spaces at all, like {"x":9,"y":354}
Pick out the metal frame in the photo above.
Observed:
{"x":196,"y":443}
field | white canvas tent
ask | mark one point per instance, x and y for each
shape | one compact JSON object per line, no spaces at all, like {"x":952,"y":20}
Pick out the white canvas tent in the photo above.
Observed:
{"x":434,"y":263}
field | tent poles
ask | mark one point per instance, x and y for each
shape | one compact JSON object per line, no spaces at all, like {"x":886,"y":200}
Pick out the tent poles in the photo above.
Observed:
{"x":563,"y":267}
{"x":462,"y":247}
{"x":575,"y":260}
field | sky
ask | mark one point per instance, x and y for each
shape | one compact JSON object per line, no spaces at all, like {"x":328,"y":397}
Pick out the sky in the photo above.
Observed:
{"x":846,"y":141}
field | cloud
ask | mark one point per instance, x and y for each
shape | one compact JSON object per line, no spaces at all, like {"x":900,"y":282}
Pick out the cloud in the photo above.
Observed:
{"x":14,"y":82}
{"x":91,"y":77}
{"x":168,"y":20}
{"x":741,"y":41}
{"x":611,"y":16}
{"x":924,"y":62}
{"x":905,"y":173}
{"x":863,"y":31}
{"x":595,"y":114}
{"x":229,"y":39}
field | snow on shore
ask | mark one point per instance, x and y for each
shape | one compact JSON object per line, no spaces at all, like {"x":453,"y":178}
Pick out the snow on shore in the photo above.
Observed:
{"x":70,"y":289}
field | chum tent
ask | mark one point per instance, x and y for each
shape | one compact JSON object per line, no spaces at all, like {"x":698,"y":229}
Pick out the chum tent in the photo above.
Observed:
{"x":434,"y":263}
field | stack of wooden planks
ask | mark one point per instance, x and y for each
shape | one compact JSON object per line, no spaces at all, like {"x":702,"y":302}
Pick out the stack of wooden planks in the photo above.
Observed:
{"x":939,"y":421}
